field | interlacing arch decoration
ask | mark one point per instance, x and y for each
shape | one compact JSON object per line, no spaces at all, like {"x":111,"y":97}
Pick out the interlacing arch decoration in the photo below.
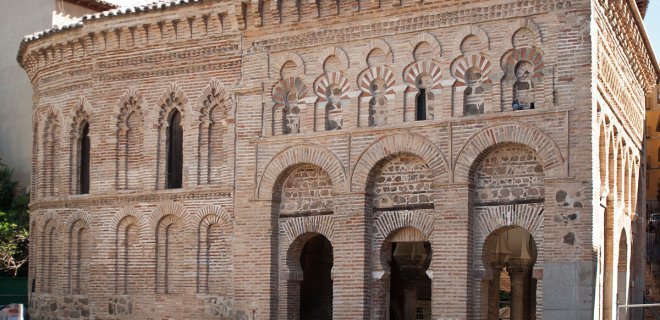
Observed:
{"x":50,"y":251}
{"x":423,"y":78}
{"x":216,"y":106}
{"x":463,"y":64}
{"x":332,"y":92}
{"x":431,"y":40}
{"x":130,"y":139}
{"x":366,"y":78}
{"x":472,"y":87}
{"x":431,"y":69}
{"x":288,"y":59}
{"x":80,"y":119}
{"x":301,"y":154}
{"x":377,"y":92}
{"x":214,"y":232}
{"x":522,"y":84}
{"x":472,"y":30}
{"x":393,"y":145}
{"x":527,"y":25}
{"x":128,"y":223}
{"x":381,"y":45}
{"x":533,"y":56}
{"x":78,"y":253}
{"x":172,"y":100}
{"x":547,"y":150}
{"x":336,"y":52}
{"x":322,"y":86}
{"x":288,"y":95}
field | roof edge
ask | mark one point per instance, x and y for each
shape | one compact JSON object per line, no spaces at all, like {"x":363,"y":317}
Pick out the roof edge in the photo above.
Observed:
{"x":98,"y":5}
{"x":118,"y":11}
{"x":642,"y":30}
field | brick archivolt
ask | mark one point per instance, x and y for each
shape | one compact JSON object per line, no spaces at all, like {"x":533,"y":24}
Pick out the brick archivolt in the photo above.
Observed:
{"x":337,"y":52}
{"x":166,"y":209}
{"x":281,"y":61}
{"x":79,"y":215}
{"x":426,"y":37}
{"x":527,"y":24}
{"x":527,"y":217}
{"x":472,"y":30}
{"x":383,"y":46}
{"x":127,"y":216}
{"x":211,"y":215}
{"x":296,"y":227}
{"x":398,"y":144}
{"x":305,"y":153}
{"x":545,"y":147}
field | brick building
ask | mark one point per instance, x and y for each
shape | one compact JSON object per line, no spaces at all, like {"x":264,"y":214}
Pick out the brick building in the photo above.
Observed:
{"x":349,"y":159}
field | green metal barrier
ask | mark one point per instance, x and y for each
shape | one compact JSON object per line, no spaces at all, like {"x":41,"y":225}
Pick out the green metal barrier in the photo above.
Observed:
{"x":13,"y":290}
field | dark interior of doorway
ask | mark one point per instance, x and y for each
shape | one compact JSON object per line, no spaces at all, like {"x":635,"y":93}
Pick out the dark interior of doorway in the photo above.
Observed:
{"x":397,"y":288}
{"x":316,"y":287}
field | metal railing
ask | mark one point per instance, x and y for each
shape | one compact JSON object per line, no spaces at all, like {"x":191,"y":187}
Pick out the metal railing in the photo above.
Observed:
{"x":644,"y":305}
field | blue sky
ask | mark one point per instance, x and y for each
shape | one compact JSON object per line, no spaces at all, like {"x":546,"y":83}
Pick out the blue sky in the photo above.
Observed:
{"x":652,"y":24}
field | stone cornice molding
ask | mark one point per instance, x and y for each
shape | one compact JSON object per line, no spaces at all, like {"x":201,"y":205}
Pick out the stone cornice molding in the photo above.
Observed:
{"x":123,"y":199}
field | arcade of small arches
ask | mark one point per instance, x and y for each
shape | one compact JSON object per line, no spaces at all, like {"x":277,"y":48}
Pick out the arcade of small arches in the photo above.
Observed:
{"x":619,"y":168}
{"x":133,"y":230}
{"x":472,"y":84}
{"x":399,"y":185}
{"x":209,"y":117}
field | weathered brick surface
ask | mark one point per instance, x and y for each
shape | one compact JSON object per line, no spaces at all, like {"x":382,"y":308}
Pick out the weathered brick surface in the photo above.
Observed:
{"x":302,"y":121}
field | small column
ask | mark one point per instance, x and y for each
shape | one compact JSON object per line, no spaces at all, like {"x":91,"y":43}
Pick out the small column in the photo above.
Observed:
{"x":517,"y":275}
{"x":494,"y":295}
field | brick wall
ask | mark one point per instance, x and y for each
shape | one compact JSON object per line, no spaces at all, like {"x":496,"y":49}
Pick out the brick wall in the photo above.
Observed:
{"x":301,"y":121}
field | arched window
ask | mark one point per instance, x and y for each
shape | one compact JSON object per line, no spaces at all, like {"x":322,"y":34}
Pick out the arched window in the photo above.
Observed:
{"x":83,"y":166}
{"x":174,"y":151}
{"x":657,"y":125}
{"x":420,"y":105}
{"x":523,"y":93}
{"x":474,"y":94}
{"x":423,"y":83}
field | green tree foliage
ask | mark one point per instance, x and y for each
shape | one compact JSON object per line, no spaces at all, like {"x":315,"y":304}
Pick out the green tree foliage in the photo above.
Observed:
{"x":14,"y":224}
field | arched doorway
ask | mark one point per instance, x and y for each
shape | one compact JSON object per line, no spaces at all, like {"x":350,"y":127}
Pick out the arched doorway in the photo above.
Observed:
{"x":316,"y":287}
{"x":507,"y":195}
{"x":410,"y":285}
{"x":510,"y":254}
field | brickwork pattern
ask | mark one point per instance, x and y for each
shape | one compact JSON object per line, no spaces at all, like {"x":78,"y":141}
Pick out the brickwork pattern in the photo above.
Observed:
{"x":300,"y":119}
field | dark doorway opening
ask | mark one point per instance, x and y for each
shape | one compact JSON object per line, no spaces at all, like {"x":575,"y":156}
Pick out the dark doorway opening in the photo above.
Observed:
{"x":410,"y":286}
{"x":316,"y":287}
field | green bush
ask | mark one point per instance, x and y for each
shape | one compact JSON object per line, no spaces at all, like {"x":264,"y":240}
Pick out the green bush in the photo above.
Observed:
{"x":14,"y":225}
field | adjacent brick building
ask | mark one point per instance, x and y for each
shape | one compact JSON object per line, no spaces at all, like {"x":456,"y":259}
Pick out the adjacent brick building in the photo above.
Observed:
{"x":339,"y":159}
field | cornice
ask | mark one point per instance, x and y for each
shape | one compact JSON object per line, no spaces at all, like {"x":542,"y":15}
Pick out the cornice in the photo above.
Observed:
{"x":123,"y":198}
